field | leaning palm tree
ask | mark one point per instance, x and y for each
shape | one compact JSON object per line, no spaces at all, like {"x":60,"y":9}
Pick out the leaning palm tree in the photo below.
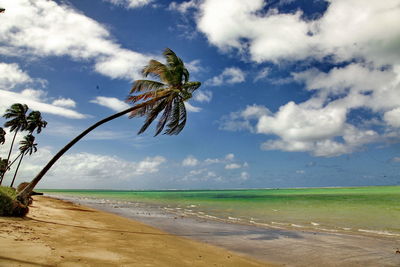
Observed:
{"x":35,"y":122}
{"x":27,"y":146}
{"x":149,"y":98}
{"x":2,"y":136}
{"x":18,"y":122}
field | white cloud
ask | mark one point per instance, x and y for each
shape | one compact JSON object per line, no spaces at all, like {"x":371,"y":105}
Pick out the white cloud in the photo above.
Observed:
{"x":46,"y":28}
{"x":241,"y":120}
{"x":392,"y":117}
{"x":149,"y":165}
{"x":130,"y":3}
{"x":232,"y":166}
{"x":358,"y":31}
{"x":190,"y":161}
{"x":82,"y":170}
{"x":194,"y":66}
{"x":244,"y":176}
{"x":262,"y":74}
{"x":111,"y":103}
{"x":300,"y":172}
{"x":184,"y":6}
{"x":11,"y":75}
{"x":202,"y":96}
{"x":9,"y":98}
{"x":348,"y":29}
{"x":36,"y":99}
{"x":64,"y":102}
{"x":230,"y":75}
{"x":230,"y":156}
{"x":192,"y":108}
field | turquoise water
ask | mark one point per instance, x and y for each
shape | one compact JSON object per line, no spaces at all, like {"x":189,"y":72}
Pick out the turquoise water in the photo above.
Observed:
{"x":358,"y":209}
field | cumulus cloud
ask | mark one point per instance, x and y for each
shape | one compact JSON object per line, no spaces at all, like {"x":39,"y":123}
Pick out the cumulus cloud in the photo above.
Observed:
{"x":232,"y":166}
{"x":230,"y":75}
{"x":184,"y":6}
{"x":36,"y":99}
{"x":203,"y":96}
{"x":129,"y":3}
{"x":45,"y":28}
{"x":64,"y":102}
{"x":355,"y":31}
{"x":189,"y":107}
{"x":190,"y":161}
{"x":11,"y":75}
{"x":111,"y":103}
{"x":86,"y":170}
{"x":348,"y":29}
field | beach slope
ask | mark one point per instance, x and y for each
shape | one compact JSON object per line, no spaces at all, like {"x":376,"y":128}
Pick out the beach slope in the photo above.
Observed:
{"x":59,"y":233}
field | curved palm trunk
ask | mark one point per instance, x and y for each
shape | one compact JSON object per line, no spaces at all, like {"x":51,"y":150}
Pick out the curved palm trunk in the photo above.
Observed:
{"x":9,"y":154}
{"x":24,"y":194}
{"x":16,"y":171}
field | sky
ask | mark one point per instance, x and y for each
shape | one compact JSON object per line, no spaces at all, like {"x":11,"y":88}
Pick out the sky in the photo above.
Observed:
{"x":294,"y":93}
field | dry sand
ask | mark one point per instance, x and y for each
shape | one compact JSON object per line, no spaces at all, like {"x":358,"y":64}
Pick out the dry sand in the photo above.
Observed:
{"x":59,"y":233}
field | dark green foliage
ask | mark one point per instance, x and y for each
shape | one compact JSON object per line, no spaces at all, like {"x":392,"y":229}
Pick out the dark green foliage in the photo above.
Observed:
{"x":35,"y":122}
{"x":166,"y":96}
{"x":2,"y":136}
{"x":17,"y":114}
{"x":9,"y":206}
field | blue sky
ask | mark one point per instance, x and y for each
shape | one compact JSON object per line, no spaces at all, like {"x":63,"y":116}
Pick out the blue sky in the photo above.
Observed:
{"x":294,"y":93}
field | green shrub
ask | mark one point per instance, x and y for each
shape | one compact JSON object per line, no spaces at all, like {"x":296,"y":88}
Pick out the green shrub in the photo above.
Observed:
{"x":9,"y":206}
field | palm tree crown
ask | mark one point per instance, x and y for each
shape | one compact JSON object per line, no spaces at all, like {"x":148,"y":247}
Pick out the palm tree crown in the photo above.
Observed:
{"x":2,"y":136}
{"x":17,"y":114}
{"x":35,"y":122}
{"x":149,"y":98}
{"x":168,"y":94}
{"x":28,"y":145}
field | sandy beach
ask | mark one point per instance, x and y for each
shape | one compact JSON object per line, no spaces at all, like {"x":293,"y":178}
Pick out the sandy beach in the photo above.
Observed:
{"x":60,"y":233}
{"x":277,"y":245}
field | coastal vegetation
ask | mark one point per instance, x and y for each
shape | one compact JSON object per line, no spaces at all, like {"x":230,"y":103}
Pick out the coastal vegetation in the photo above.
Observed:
{"x":17,"y":122}
{"x":164,"y":96}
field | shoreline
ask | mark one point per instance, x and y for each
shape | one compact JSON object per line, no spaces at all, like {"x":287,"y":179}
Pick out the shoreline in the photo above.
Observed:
{"x":291,"y":247}
{"x":62,"y":233}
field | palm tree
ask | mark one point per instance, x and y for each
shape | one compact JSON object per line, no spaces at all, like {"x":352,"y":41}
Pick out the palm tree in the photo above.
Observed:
{"x":27,"y":146}
{"x":35,"y":122}
{"x":149,"y":98}
{"x":17,"y":114}
{"x":2,"y":136}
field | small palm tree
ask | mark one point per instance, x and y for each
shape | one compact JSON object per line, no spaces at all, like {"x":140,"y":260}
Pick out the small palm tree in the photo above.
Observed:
{"x":18,"y":122}
{"x":35,"y":122}
{"x":27,"y":146}
{"x":2,"y":136}
{"x":149,"y":98}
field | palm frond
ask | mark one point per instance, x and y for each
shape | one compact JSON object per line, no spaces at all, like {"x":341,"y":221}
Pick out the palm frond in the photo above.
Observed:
{"x":191,"y":86}
{"x":164,"y":118}
{"x":145,"y":85}
{"x":153,"y":115}
{"x":157,"y":69}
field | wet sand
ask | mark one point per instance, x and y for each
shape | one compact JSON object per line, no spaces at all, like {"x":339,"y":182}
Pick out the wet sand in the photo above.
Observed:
{"x":289,"y":247}
{"x":60,"y":233}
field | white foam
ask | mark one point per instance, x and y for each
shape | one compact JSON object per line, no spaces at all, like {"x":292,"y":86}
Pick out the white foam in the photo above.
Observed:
{"x":378,"y":232}
{"x":314,"y":223}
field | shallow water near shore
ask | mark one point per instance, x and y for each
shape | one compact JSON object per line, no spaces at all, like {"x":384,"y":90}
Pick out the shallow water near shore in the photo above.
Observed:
{"x":362,"y":210}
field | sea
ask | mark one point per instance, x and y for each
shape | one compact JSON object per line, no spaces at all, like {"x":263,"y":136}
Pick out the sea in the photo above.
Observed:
{"x":373,"y":210}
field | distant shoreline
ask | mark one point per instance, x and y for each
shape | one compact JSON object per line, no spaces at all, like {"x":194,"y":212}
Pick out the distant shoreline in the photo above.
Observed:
{"x":226,"y":189}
